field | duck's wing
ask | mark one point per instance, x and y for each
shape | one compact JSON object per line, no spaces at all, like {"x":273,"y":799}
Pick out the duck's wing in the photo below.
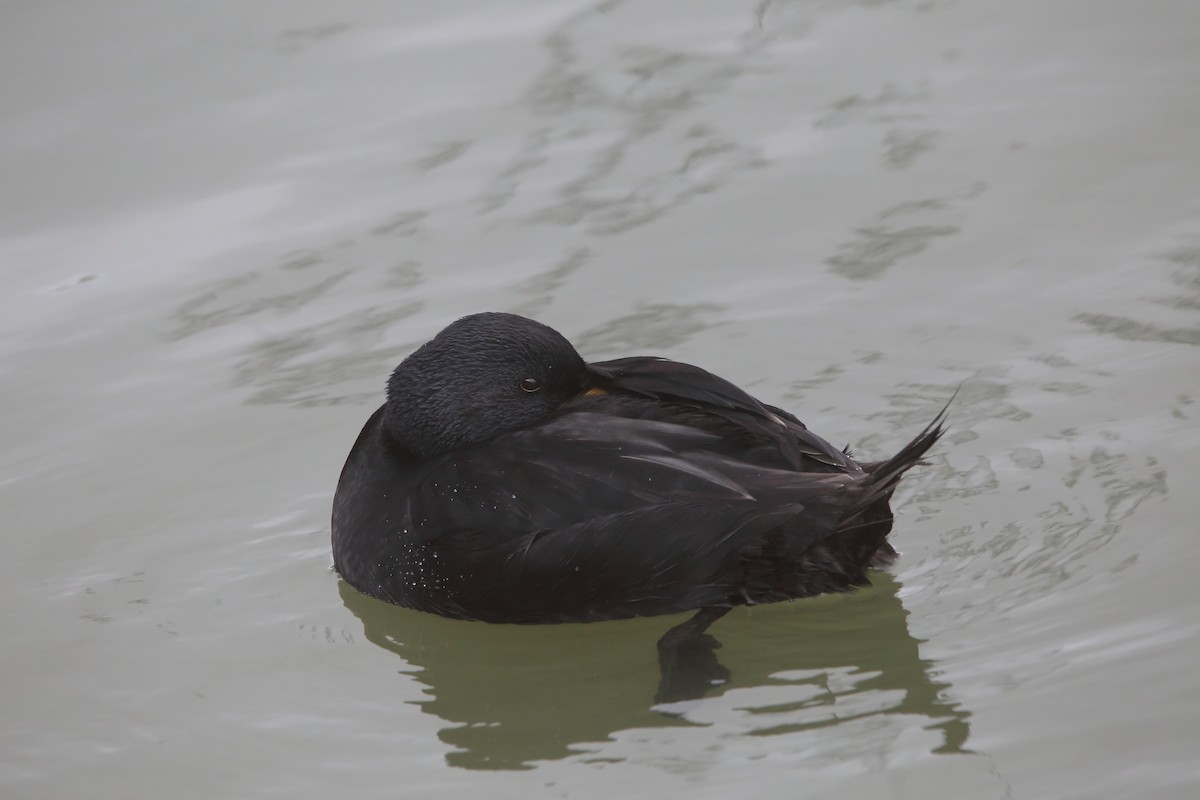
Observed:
{"x":598,"y":517}
{"x":588,"y":464}
{"x":694,"y":388}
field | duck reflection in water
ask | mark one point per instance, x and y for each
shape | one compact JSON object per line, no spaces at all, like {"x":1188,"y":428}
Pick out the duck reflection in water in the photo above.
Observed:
{"x":515,"y":694}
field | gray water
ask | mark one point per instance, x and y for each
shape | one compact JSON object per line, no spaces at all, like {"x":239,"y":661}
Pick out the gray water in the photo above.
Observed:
{"x":222,"y":223}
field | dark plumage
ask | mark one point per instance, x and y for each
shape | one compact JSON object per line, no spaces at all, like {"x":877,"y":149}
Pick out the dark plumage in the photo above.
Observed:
{"x":506,"y":480}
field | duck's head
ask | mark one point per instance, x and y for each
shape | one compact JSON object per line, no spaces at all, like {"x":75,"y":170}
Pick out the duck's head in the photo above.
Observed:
{"x":482,"y":376}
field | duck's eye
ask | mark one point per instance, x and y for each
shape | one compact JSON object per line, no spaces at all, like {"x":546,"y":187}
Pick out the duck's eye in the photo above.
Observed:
{"x":531,"y":385}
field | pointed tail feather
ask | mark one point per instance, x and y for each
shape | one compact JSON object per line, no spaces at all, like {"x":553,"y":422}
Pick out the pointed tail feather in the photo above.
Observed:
{"x":862,"y":533}
{"x":883,"y":476}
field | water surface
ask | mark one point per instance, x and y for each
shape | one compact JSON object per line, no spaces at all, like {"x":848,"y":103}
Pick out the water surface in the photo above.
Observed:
{"x":223,"y":224}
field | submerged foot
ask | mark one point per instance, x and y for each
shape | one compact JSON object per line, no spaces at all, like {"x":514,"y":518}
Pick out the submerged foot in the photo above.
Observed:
{"x":687,"y":659}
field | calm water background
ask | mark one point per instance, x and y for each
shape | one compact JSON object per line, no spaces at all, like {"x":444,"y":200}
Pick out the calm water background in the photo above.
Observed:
{"x":222,"y":223}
